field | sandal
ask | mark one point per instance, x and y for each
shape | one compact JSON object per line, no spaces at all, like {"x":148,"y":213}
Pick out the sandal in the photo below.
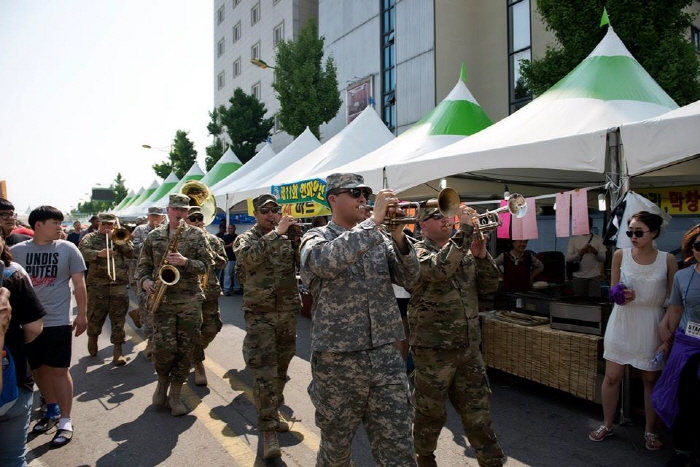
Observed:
{"x":652,"y":441}
{"x":61,"y":438}
{"x":44,"y":425}
{"x":600,"y":434}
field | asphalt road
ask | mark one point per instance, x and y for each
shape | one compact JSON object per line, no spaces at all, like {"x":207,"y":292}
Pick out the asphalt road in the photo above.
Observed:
{"x":115,"y":424}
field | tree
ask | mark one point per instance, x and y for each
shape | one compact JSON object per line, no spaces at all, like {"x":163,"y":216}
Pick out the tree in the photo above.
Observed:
{"x":120,"y":190}
{"x":654,"y":31}
{"x":181,"y":157}
{"x":307,"y":91}
{"x":245,"y":124}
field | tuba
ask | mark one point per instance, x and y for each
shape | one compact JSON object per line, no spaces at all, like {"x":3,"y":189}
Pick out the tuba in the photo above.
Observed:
{"x":201,"y":196}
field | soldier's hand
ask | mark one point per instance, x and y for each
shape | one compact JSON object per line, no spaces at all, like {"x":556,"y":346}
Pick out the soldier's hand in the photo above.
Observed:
{"x":147,"y":286}
{"x":381,"y":205}
{"x":283,"y":224}
{"x":103,"y":252}
{"x":176,"y":259}
{"x":467,"y":215}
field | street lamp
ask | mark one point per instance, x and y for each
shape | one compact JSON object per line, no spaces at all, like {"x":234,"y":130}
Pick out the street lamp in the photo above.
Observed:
{"x":162,"y":149}
{"x":261,"y":63}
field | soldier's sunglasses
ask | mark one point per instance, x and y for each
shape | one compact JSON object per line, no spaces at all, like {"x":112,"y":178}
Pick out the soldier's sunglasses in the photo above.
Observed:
{"x":196,"y":217}
{"x":356,"y":192}
{"x":265,"y":210}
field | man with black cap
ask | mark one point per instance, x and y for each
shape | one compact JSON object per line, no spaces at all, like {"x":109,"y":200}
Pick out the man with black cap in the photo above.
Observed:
{"x":106,"y":284}
{"x":265,"y":260}
{"x":211,"y":317}
{"x":358,"y":372}
{"x":443,"y":316}
{"x":94,"y":225}
{"x":178,"y":317}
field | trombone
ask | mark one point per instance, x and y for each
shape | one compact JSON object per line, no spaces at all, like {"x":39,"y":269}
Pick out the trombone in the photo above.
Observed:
{"x":119,"y":236}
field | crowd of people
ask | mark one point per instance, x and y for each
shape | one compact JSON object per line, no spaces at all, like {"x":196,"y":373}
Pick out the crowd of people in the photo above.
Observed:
{"x":353,"y":266}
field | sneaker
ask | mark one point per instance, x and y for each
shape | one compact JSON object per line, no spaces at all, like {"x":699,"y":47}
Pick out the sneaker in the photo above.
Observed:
{"x":600,"y":434}
{"x":652,"y":441}
{"x":679,"y":460}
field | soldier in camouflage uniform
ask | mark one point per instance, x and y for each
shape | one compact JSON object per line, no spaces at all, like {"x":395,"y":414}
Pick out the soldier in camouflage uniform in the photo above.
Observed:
{"x":445,"y":336}
{"x":265,"y":265}
{"x":140,"y":316}
{"x":178,"y":320}
{"x":357,"y":370}
{"x":211,"y":317}
{"x":106,"y":296}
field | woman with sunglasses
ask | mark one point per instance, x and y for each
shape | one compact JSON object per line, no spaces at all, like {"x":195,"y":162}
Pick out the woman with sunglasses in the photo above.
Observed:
{"x":675,"y":395}
{"x":631,"y":336}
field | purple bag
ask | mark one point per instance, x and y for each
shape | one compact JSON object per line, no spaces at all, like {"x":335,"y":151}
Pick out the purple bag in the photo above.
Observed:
{"x":617,"y":293}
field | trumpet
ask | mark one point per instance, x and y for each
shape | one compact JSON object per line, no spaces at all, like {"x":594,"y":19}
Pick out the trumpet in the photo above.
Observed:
{"x":490,"y":220}
{"x":447,"y":203}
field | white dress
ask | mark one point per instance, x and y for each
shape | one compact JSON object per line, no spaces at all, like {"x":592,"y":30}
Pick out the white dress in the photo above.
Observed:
{"x":631,"y":336}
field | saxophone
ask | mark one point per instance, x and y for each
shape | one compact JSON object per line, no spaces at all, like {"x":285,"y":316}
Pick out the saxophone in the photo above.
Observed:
{"x":167,"y":274}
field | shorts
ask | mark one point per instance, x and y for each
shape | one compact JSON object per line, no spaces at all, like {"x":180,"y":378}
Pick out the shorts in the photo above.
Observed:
{"x":52,"y":348}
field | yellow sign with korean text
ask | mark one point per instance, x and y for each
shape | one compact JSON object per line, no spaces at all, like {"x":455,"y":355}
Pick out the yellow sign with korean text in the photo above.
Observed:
{"x":677,"y":200}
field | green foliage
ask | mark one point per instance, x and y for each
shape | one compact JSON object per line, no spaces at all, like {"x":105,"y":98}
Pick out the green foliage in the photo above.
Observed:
{"x":654,"y":31}
{"x":181,"y":157}
{"x":92,"y":207}
{"x":307,"y":91}
{"x":120,"y":190}
{"x":245,"y":124}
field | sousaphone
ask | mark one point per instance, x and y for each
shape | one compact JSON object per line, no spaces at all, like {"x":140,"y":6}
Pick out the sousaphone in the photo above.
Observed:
{"x":201,"y":196}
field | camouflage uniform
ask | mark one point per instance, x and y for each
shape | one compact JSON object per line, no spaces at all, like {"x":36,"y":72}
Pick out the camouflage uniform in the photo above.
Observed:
{"x":358,"y":373}
{"x":265,"y":265}
{"x":211,"y":317}
{"x":445,"y":338}
{"x":177,"y":323}
{"x":138,"y":236}
{"x":104,"y":296}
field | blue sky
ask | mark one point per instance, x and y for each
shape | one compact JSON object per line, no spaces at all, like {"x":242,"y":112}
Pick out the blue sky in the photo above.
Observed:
{"x":85,"y":83}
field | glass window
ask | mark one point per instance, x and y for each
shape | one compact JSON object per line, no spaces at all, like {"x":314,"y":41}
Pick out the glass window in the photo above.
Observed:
{"x":519,"y":25}
{"x":255,"y":90}
{"x":237,"y":31}
{"x":277,"y":123}
{"x":519,"y":48}
{"x":237,"y":67}
{"x":278,"y":34}
{"x":255,"y":14}
{"x":275,"y":2}
{"x":255,"y":51}
{"x":220,"y":14}
{"x":695,"y":37}
{"x":221,"y":48}
{"x":221,"y":80}
{"x":388,"y":64}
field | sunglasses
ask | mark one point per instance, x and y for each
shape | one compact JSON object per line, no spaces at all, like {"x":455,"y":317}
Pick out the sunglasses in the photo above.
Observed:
{"x":6,"y":216}
{"x":437,"y":216}
{"x":274,"y":210}
{"x":196,"y":217}
{"x":355,"y":192}
{"x":636,"y":233}
{"x":696,"y":246}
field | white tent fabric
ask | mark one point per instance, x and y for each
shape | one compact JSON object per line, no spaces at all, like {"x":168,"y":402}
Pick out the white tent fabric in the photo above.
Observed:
{"x":195,"y":173}
{"x":300,"y":147}
{"x":559,"y":137}
{"x":661,"y":141}
{"x":264,"y":155}
{"x":366,"y":133}
{"x":225,"y":166}
{"x":133,"y":207}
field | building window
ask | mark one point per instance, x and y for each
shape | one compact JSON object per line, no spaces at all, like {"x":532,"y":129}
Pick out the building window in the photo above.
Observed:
{"x":255,"y":51}
{"x":388,"y":64}
{"x":278,"y":34}
{"x":237,"y":67}
{"x":237,"y":31}
{"x":220,"y":15}
{"x":221,"y":80}
{"x":695,"y":38}
{"x":255,"y":13}
{"x":275,"y":2}
{"x":221,"y":47}
{"x":255,"y":90}
{"x":277,"y":128}
{"x":519,"y":48}
{"x":236,"y":2}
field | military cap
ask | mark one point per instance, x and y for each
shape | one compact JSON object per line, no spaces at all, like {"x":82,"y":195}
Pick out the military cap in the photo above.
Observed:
{"x":194,"y":210}
{"x":155,"y":210}
{"x":427,"y":212}
{"x":262,"y":200}
{"x":107,"y":217}
{"x":347,"y":180}
{"x":179,"y":201}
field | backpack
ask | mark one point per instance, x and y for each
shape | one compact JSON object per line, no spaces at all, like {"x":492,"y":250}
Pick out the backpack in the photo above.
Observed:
{"x":10,"y":392}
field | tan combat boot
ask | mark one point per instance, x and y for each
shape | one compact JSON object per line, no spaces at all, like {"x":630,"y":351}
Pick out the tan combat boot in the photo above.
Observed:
{"x":177,"y":407}
{"x":200,"y":376}
{"x":160,"y":397}
{"x":282,"y":425}
{"x":136,"y":317}
{"x":271,"y":447}
{"x":426,"y":461}
{"x":117,"y":358}
{"x":92,"y":345}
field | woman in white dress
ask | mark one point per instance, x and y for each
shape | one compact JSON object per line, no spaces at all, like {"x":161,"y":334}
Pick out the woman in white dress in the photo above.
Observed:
{"x":631,"y":337}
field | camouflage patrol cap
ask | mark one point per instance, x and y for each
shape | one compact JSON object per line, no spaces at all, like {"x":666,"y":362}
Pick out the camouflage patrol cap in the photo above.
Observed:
{"x":194,"y":210}
{"x":262,"y":200}
{"x":179,"y":201}
{"x":106,"y":217}
{"x":427,"y":212}
{"x":347,"y":180}
{"x":155,"y":210}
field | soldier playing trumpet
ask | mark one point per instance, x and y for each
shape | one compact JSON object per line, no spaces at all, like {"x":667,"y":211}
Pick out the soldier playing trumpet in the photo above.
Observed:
{"x":106,"y":284}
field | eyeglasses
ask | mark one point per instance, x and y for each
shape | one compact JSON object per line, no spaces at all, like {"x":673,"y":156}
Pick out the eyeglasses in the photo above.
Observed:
{"x":356,"y":192}
{"x":696,"y":246}
{"x":196,"y":217}
{"x":6,"y":216}
{"x":437,"y":216}
{"x":274,"y":210}
{"x":636,"y":233}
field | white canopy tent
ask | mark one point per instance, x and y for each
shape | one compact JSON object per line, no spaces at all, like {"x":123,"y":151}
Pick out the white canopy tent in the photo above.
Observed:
{"x":264,"y":155}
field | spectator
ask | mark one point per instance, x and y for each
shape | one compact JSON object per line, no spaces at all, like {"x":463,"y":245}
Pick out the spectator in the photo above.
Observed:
{"x":520,"y":267}
{"x":74,"y":236}
{"x":8,"y":219}
{"x":94,"y":225}
{"x":588,"y":252}
{"x":231,"y":284}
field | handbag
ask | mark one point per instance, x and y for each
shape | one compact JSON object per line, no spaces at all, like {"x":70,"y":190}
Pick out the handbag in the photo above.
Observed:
{"x":573,"y":266}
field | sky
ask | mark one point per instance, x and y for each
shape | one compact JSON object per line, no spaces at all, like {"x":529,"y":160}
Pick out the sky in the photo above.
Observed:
{"x":84,"y":84}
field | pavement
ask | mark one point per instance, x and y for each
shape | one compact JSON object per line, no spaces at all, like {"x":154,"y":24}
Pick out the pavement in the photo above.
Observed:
{"x":115,"y":424}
